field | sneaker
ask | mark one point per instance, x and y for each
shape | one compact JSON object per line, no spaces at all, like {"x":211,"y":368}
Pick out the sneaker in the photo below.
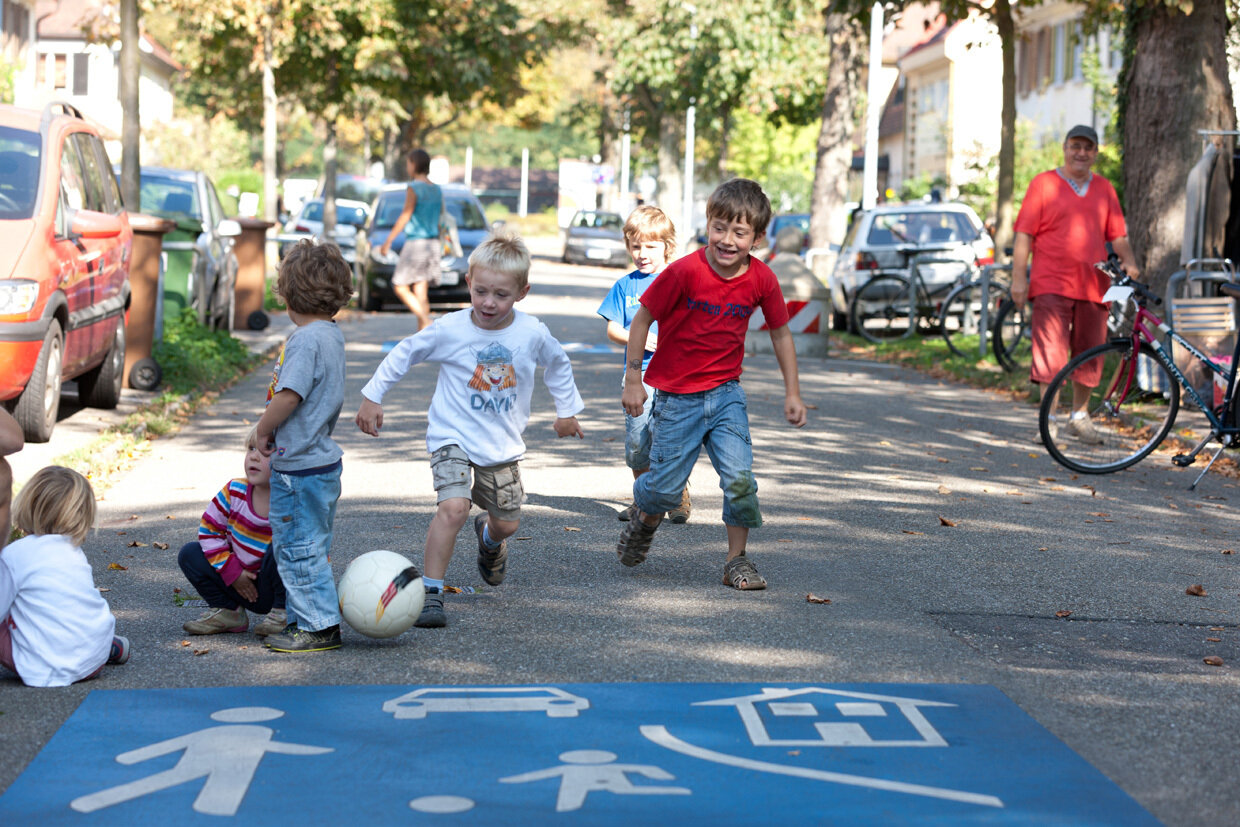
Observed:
{"x":1053,"y":427}
{"x":635,"y":540}
{"x":432,"y":616}
{"x":275,"y":622}
{"x":119,"y":653}
{"x":680,"y":514}
{"x":492,"y":562}
{"x":293,"y":639}
{"x":215,"y":621}
{"x":1083,"y":429}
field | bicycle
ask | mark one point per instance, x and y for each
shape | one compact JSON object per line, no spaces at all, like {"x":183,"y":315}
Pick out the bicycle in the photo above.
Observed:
{"x":960,"y":318}
{"x":894,"y":303}
{"x":1133,"y":405}
{"x":1010,"y":339}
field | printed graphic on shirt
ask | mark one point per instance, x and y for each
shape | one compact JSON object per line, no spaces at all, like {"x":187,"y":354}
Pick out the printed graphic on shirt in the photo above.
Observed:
{"x":275,"y":376}
{"x":494,"y":375}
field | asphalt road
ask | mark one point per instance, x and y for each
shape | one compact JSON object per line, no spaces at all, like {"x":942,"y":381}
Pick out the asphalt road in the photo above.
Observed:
{"x":947,"y":543}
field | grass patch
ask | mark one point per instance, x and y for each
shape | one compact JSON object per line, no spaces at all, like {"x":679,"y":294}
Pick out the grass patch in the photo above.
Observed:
{"x":195,"y":358}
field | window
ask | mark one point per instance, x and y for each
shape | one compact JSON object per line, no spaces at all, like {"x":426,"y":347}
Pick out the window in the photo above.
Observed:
{"x":112,"y":201}
{"x":467,"y":214}
{"x":72,"y":187}
{"x":1074,"y":69}
{"x":1058,"y":50}
{"x":92,"y":175}
{"x":19,"y":172}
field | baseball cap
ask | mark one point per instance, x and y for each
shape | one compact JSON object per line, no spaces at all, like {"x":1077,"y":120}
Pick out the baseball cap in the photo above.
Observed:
{"x":1082,"y":131}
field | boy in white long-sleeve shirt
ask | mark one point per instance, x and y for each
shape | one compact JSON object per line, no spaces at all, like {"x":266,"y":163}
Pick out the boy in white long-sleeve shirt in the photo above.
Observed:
{"x":487,"y":356}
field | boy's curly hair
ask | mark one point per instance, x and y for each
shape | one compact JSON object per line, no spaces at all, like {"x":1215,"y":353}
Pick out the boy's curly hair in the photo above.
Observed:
{"x":315,"y":279}
{"x":649,"y":223}
{"x":56,"y":500}
{"x":740,"y":198}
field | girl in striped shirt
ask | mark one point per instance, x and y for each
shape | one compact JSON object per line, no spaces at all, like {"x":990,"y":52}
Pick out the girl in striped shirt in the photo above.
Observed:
{"x":229,"y":565}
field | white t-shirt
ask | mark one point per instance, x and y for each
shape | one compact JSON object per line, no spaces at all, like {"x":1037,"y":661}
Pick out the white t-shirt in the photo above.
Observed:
{"x":61,"y":626}
{"x":486,"y":379}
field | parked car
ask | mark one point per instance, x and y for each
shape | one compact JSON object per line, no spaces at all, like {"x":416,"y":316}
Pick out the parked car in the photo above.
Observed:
{"x":351,"y":218}
{"x":781,"y":221}
{"x":885,"y":236}
{"x":596,"y":237}
{"x":201,"y":266}
{"x":64,"y":282}
{"x":354,"y":187}
{"x":467,"y":226}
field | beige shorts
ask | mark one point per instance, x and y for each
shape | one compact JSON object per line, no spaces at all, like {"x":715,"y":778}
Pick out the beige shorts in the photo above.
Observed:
{"x":496,"y":488}
{"x":418,"y":261}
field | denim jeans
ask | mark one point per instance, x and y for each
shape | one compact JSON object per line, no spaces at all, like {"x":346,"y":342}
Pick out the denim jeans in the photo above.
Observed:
{"x":303,"y":509}
{"x":681,"y":424}
{"x":637,"y":435}
{"x":210,"y":585}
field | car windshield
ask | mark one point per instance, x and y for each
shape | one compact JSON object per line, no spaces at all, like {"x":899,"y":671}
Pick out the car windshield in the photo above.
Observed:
{"x":169,"y":198}
{"x":357,"y":189}
{"x":19,"y":172}
{"x":599,"y":221}
{"x":389,"y":207}
{"x":466,"y":213}
{"x":920,"y":227}
{"x":353,"y":216}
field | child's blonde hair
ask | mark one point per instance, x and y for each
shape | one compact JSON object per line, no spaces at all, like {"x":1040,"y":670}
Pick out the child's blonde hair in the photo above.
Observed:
{"x":740,"y":198}
{"x":503,"y":253}
{"x":56,"y":500}
{"x":649,"y":223}
{"x":251,"y":439}
{"x":315,"y":279}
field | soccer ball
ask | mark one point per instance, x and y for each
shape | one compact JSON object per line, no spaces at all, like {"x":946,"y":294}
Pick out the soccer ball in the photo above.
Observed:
{"x":381,"y":594}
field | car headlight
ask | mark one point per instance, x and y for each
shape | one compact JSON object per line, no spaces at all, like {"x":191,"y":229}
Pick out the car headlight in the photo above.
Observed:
{"x":379,"y":258}
{"x":17,"y":296}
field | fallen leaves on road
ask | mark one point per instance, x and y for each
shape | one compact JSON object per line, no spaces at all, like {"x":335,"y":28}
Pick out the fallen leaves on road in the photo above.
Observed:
{"x":571,"y":528}
{"x":1212,"y":660}
{"x":185,"y":643}
{"x":943,"y":489}
{"x":198,"y":652}
{"x":1214,"y":640}
{"x":813,"y":598}
{"x":160,"y":546}
{"x":1217,"y":629}
{"x":135,"y":544}
{"x":1062,"y":613}
{"x":944,"y":521}
{"x":906,"y":531}
{"x":117,"y":567}
{"x":523,"y":538}
{"x":1196,"y":590}
{"x":1229,"y":551}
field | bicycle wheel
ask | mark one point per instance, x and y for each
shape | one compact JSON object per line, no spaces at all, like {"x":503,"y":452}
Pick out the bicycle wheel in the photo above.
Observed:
{"x":961,"y":316}
{"x":1010,"y":336}
{"x":1125,"y":423}
{"x":885,"y":308}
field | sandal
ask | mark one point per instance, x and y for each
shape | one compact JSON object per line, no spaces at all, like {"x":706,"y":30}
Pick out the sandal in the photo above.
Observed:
{"x":741,"y":574}
{"x":635,"y":540}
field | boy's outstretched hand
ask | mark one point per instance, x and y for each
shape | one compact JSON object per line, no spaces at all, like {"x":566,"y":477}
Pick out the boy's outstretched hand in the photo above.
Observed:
{"x":369,"y":417}
{"x":794,"y":411}
{"x":566,"y":426}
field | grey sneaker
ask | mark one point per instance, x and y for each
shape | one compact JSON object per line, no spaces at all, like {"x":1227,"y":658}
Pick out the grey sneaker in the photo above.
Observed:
{"x":432,"y":616}
{"x":275,"y":622}
{"x":216,"y":621}
{"x":293,"y":639}
{"x":492,"y":562}
{"x":1083,"y":429}
{"x":1053,"y":426}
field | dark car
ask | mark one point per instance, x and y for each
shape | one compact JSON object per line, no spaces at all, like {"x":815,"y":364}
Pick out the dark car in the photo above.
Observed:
{"x":201,"y":267}
{"x":469,"y":228}
{"x":596,"y":237}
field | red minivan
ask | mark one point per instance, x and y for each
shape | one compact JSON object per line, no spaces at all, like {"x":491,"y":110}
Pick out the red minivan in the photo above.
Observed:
{"x":65,"y":243}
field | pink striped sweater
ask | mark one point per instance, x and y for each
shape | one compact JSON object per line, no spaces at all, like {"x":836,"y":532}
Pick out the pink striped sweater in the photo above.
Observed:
{"x":232,"y":536}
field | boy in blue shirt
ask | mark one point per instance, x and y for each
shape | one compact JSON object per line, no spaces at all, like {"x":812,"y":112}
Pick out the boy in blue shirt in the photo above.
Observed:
{"x":651,"y":240}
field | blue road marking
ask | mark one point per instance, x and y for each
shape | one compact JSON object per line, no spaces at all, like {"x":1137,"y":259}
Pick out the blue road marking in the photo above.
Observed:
{"x":581,"y":753}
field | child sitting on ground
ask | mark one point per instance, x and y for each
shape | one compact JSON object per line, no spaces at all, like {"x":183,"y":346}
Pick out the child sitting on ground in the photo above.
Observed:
{"x":230,"y":565}
{"x":651,"y":239}
{"x":55,"y":627}
{"x":487,"y":355}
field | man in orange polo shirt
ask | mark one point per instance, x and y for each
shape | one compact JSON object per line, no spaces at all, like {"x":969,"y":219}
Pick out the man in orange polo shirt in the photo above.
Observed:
{"x":1067,"y":218}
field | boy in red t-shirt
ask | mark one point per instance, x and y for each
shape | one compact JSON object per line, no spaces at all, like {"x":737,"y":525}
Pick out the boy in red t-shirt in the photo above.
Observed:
{"x":702,"y":303}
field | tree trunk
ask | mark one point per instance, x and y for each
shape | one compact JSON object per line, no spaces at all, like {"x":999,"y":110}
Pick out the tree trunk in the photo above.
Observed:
{"x":671,"y":181}
{"x":1002,"y":17}
{"x":845,"y":79}
{"x":131,"y":133}
{"x":329,"y":177}
{"x":271,"y":116}
{"x":1177,"y":84}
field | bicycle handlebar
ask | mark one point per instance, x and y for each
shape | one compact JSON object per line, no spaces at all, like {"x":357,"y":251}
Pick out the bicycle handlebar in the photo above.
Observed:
{"x":1113,"y":269}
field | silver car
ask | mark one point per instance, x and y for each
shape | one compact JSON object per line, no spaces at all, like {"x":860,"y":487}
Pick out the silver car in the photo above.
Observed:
{"x":596,"y":237}
{"x":887,"y":236}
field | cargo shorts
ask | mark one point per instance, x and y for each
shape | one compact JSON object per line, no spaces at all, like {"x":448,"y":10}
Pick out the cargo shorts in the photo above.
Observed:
{"x":496,"y":488}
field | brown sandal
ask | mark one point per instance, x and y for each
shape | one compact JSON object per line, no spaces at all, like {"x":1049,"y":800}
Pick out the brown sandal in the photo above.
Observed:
{"x":741,"y":574}
{"x":635,"y":540}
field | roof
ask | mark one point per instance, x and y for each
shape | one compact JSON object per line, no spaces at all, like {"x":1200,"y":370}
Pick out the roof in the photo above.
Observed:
{"x":85,"y":19}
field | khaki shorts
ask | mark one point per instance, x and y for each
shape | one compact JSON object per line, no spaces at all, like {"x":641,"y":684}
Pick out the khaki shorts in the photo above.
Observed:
{"x":496,"y":488}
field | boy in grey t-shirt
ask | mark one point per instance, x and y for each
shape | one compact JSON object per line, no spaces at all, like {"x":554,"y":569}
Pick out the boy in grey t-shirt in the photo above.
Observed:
{"x":303,"y":403}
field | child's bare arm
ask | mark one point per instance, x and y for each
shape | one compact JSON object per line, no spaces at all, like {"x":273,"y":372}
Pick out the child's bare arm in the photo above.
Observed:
{"x":786,"y":355}
{"x":634,"y":396}
{"x":11,"y":437}
{"x":617,"y":334}
{"x":568,"y":426}
{"x":279,"y":409}
{"x":369,"y":417}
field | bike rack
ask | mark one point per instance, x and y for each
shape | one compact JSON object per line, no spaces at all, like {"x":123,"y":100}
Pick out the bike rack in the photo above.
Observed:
{"x":1201,"y":315}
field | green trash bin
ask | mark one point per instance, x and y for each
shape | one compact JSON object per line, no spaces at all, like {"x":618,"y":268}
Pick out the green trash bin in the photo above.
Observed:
{"x":180,"y":251}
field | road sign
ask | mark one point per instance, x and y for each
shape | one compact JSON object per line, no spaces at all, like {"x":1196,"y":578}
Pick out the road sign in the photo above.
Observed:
{"x":578,"y":753}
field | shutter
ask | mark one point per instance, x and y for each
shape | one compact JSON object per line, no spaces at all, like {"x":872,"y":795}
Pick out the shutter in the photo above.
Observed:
{"x":81,"y":69}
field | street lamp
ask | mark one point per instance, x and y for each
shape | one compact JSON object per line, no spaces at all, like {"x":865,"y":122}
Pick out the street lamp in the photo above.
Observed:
{"x":690,"y":118}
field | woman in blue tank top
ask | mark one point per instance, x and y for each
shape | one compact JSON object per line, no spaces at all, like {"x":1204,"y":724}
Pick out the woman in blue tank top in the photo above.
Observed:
{"x":417,"y":268}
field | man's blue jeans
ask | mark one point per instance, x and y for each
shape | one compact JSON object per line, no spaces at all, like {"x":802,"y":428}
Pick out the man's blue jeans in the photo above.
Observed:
{"x":303,"y":509}
{"x":681,"y":424}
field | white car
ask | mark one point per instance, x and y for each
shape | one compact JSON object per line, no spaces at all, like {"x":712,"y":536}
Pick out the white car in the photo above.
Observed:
{"x":351,"y":217}
{"x":886,"y":236}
